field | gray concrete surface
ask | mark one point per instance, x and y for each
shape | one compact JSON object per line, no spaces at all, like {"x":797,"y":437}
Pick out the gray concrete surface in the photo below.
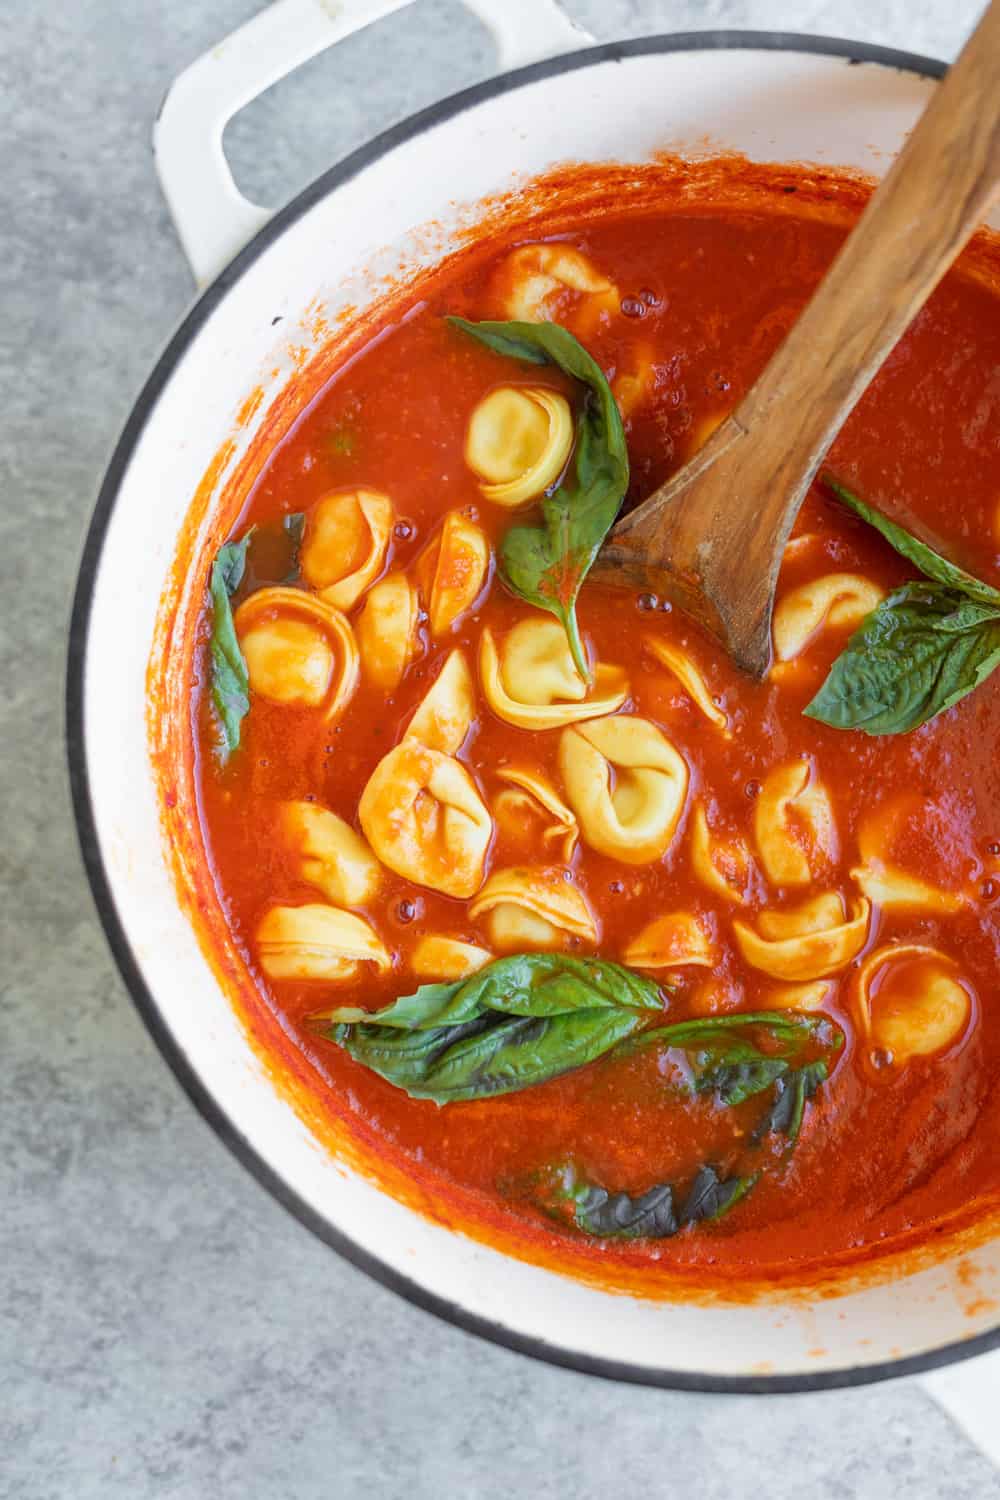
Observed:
{"x":165,"y":1329}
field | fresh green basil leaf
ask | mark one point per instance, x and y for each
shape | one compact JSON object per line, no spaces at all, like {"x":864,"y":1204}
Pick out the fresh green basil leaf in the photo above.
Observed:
{"x":787,"y":1028}
{"x":930,"y":563}
{"x":229,"y":677}
{"x":520,"y":1021}
{"x":791,"y":1094}
{"x":711,"y":1196}
{"x":922,"y":650}
{"x":723,"y":1062}
{"x":546,"y":564}
{"x":497,"y":1054}
{"x":735,"y":1074}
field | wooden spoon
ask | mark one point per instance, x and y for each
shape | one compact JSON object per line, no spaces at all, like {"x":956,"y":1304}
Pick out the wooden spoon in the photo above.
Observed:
{"x":712,"y":537}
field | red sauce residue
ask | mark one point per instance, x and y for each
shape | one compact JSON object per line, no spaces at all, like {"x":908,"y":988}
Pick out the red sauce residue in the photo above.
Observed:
{"x":714,"y":260}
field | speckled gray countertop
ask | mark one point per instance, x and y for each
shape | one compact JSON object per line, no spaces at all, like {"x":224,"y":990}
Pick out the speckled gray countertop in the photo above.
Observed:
{"x":165,"y":1329}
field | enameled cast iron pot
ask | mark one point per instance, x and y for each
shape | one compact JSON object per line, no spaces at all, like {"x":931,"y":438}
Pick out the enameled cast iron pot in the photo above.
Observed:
{"x":774,"y":97}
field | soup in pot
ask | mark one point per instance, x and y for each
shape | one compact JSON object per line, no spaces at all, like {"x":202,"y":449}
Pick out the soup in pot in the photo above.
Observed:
{"x":627,"y":950}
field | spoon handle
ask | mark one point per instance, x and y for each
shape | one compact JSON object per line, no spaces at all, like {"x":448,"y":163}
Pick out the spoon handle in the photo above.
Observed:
{"x":719,"y":528}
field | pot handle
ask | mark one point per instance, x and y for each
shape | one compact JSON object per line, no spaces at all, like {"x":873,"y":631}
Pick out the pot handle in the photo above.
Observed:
{"x":212,"y":217}
{"x":970,"y":1393}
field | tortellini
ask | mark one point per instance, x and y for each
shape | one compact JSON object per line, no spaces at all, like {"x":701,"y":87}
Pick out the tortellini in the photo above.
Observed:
{"x":528,"y":793}
{"x":299,"y":650}
{"x":334,"y":858}
{"x":345,"y":543}
{"x":452,"y":570}
{"x":811,"y":995}
{"x":794,"y":825}
{"x":911,"y":1002}
{"x":423,"y":816}
{"x":684,"y":669}
{"x":631,"y":386}
{"x":722,"y":866}
{"x":536,"y":275}
{"x":317,"y":942}
{"x":518,"y":442}
{"x":387,"y":631}
{"x":531,"y":680}
{"x":807,"y":942}
{"x":839,"y":599}
{"x":444,"y":716}
{"x":672,"y":941}
{"x":627,"y":785}
{"x":528,"y":908}
{"x":885,"y":883}
{"x":447,"y":958}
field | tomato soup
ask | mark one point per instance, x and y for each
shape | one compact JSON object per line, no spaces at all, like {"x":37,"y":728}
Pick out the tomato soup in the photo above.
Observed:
{"x":697,"y":979}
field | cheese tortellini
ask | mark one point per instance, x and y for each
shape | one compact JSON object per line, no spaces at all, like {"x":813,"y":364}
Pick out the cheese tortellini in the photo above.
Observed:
{"x":529,"y":795}
{"x":911,"y":1002}
{"x":627,"y":785}
{"x":423,"y":816}
{"x":452,"y":570}
{"x":528,"y":908}
{"x":807,"y":942}
{"x":690,"y":678}
{"x":345,"y":543}
{"x":445,"y":715}
{"x":518,"y":442}
{"x":670,"y":942}
{"x":535,"y":276}
{"x":886,"y":883}
{"x":839,"y":599}
{"x":811,"y":995}
{"x":634,"y":383}
{"x":531,"y":681}
{"x":722,"y":865}
{"x":299,"y":650}
{"x":317,"y":942}
{"x":334,"y":858}
{"x":437,"y":957}
{"x":387,"y":631}
{"x":794,"y":825}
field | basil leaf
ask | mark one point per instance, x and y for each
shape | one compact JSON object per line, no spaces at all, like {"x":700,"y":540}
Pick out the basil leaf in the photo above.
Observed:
{"x":724,"y":1063}
{"x":930,"y":563}
{"x":788,"y":1028}
{"x":791,"y":1095}
{"x":652,"y":1214}
{"x":230,"y":680}
{"x":520,"y":1021}
{"x":294,"y":525}
{"x":711,"y":1196}
{"x":734,"y":1074}
{"x":922,"y":650}
{"x":617,"y":1216}
{"x":546,"y":564}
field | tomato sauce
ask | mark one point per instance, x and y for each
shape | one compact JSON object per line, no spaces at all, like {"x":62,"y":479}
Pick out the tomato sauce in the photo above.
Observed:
{"x":887,"y":1152}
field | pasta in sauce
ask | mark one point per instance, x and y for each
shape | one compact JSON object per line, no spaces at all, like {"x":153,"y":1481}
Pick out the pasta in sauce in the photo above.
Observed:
{"x":426,"y":785}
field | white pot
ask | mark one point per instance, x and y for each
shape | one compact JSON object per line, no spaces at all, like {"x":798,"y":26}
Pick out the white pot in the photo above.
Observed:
{"x":775,"y":97}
